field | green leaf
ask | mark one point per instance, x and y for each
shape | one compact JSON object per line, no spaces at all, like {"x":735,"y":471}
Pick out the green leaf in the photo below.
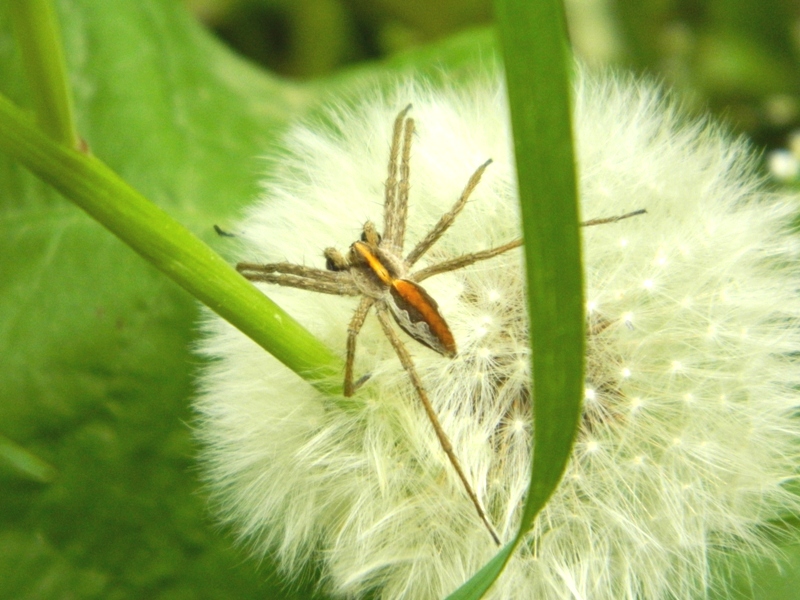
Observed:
{"x":534,"y":43}
{"x":765,"y":580}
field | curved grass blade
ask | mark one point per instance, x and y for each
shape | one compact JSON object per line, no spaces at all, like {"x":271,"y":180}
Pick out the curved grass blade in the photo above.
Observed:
{"x":537,"y":61}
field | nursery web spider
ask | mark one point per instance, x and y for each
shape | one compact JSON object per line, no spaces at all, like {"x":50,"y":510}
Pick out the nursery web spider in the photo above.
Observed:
{"x":375,"y":270}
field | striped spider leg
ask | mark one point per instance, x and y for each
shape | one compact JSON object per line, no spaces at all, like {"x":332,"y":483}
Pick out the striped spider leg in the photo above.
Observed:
{"x":375,"y":270}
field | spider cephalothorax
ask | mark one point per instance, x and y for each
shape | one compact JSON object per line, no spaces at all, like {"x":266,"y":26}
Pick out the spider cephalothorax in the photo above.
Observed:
{"x":380,"y":274}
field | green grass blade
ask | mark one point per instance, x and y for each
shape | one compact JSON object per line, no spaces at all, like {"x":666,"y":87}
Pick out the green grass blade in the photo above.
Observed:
{"x":479,"y":583}
{"x":537,"y":62}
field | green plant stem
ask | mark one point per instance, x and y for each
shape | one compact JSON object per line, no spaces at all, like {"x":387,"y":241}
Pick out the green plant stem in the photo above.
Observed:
{"x":537,"y":63}
{"x":37,"y":34}
{"x":169,"y":246}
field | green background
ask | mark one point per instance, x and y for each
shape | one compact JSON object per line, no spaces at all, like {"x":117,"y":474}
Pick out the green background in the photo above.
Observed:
{"x":96,"y":377}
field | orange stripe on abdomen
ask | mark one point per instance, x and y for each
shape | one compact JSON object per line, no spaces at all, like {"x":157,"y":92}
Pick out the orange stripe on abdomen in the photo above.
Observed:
{"x":420,"y":307}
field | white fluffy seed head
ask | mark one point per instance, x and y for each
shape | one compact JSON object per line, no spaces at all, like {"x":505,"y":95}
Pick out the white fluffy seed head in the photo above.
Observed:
{"x":693,"y":316}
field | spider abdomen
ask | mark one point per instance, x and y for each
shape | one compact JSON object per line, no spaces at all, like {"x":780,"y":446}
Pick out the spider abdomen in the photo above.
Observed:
{"x":418,"y":315}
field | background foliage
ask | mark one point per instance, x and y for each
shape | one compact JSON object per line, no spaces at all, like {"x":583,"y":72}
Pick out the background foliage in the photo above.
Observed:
{"x":737,"y":57}
{"x":95,"y":344}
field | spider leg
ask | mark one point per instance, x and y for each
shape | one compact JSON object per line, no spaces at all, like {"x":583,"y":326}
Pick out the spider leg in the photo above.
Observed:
{"x":393,"y":212}
{"x":298,"y":276}
{"x":592,"y":222}
{"x":447,"y":218}
{"x":468,"y":259}
{"x":444,"y":441}
{"x":246,"y":268}
{"x":306,"y":283}
{"x":352,"y":333}
{"x":463,"y":261}
{"x":402,"y":197}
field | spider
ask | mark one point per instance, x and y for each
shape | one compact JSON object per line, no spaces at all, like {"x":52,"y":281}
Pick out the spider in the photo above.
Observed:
{"x":375,"y":270}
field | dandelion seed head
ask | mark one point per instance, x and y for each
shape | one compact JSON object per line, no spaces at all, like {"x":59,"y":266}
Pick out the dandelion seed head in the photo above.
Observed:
{"x":688,"y":435}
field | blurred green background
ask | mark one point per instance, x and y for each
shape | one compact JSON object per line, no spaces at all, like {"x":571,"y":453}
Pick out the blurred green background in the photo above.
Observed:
{"x":100,"y":494}
{"x":738,"y":58}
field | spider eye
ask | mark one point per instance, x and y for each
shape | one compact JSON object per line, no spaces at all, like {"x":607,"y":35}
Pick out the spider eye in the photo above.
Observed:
{"x":331,"y":265}
{"x":365,"y":239}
